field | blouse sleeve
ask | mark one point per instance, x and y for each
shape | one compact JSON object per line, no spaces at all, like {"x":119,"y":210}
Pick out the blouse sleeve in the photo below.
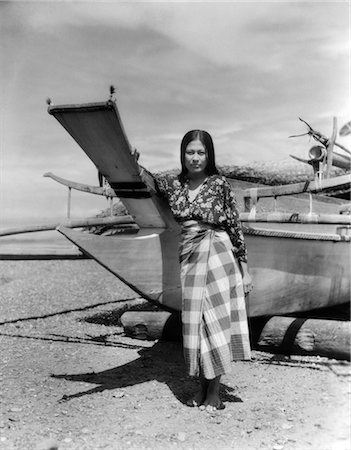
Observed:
{"x":161,"y":186}
{"x":234,"y":228}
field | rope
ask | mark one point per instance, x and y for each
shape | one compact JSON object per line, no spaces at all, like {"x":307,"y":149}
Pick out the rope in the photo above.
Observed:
{"x":306,"y":186}
{"x":253,"y":197}
{"x":296,"y":235}
{"x":311,"y":204}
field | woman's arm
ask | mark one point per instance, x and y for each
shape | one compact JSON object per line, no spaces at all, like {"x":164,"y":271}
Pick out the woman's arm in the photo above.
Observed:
{"x":158,"y":182}
{"x":233,"y":225}
{"x":236,"y":235}
{"x":247,"y":280}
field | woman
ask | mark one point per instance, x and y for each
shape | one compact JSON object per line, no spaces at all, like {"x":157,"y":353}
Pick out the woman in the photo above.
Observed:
{"x":214,"y":272}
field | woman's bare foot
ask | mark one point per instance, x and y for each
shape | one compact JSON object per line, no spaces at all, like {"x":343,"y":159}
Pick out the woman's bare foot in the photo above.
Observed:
{"x":197,"y":400}
{"x":212,"y":401}
{"x":200,"y":396}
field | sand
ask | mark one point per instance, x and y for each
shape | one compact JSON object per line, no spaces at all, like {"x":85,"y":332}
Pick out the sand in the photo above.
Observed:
{"x":72,"y":380}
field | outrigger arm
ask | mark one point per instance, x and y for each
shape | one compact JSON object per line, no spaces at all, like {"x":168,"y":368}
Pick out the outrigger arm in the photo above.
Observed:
{"x":106,"y":192}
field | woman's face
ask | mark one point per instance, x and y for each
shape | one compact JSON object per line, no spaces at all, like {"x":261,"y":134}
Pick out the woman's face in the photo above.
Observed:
{"x":195,"y":158}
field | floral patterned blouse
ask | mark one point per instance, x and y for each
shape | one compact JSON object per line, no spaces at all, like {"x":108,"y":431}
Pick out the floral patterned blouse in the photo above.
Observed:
{"x":214,"y":204}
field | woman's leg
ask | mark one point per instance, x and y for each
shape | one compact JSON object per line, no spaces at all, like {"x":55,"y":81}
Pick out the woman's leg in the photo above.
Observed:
{"x":212,"y":400}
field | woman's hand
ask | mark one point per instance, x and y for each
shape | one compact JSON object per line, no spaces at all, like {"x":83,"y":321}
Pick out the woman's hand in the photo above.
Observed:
{"x":247,"y":280}
{"x":135,"y":154}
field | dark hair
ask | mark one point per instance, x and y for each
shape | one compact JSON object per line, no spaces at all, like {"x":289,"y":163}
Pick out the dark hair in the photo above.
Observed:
{"x":206,"y":140}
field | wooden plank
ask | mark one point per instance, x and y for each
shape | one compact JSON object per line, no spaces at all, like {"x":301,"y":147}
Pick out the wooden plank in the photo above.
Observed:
{"x":99,"y":131}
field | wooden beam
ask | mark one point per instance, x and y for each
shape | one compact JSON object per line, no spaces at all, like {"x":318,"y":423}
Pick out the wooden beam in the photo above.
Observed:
{"x":72,"y":223}
{"x":96,"y":190}
{"x":281,"y":217}
{"x":37,"y":255}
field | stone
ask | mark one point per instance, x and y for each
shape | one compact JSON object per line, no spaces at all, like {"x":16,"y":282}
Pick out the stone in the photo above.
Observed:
{"x":16,"y":409}
{"x":47,"y":444}
{"x":181,"y":436}
{"x":119,"y":394}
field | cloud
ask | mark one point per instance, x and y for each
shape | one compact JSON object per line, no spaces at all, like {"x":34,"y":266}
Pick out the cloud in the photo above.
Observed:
{"x":229,"y":33}
{"x":243,"y":71}
{"x":233,"y":33}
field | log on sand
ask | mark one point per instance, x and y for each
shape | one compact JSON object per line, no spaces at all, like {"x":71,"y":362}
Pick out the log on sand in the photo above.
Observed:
{"x":284,"y":335}
{"x":290,"y":335}
{"x":152,"y":325}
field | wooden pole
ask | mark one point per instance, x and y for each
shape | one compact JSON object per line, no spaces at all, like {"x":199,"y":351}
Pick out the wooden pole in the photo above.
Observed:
{"x":33,"y":254}
{"x":330,"y":147}
{"x":298,"y":188}
{"x":281,"y":217}
{"x":74,"y":223}
{"x":69,"y":203}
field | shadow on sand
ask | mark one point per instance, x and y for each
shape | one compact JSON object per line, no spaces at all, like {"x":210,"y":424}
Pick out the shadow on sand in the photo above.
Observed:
{"x":162,"y":362}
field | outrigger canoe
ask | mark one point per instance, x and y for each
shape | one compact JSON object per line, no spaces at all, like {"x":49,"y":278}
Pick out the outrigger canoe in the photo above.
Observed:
{"x":298,"y":261}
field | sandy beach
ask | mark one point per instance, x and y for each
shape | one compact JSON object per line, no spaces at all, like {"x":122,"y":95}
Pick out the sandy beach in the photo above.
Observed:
{"x":71,"y":378}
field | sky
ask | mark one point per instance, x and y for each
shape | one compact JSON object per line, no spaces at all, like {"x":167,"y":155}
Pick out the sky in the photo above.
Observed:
{"x":244,"y":71}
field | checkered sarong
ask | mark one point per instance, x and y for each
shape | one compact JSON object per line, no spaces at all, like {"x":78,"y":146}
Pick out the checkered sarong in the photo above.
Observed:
{"x":215,"y":329}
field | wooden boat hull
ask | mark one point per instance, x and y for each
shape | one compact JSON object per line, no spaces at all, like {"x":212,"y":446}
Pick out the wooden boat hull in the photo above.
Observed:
{"x":290,"y":274}
{"x":297,"y":267}
{"x":297,"y":274}
{"x":146,"y":262}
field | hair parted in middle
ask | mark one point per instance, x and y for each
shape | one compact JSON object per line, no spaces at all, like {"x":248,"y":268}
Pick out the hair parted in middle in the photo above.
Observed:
{"x":206,"y":140}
